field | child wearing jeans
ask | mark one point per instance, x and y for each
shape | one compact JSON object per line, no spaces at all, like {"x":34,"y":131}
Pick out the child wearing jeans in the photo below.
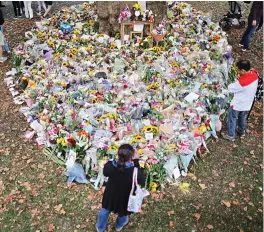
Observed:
{"x":118,"y":187}
{"x":244,"y":90}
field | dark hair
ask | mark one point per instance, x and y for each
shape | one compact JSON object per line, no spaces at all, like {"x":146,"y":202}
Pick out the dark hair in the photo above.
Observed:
{"x":243,"y":64}
{"x":125,"y":153}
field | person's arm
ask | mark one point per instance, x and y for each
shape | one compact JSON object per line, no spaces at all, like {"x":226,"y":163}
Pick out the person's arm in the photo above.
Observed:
{"x":234,"y":87}
{"x":106,"y":170}
{"x":141,"y":176}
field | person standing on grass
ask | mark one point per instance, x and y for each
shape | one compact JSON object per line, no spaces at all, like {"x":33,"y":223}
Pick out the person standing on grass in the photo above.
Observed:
{"x":244,"y":90}
{"x":41,"y":4}
{"x":28,"y":9}
{"x":118,"y":187}
{"x":17,"y":9}
{"x":254,"y":19}
{"x":49,"y":6}
{"x":2,"y":39}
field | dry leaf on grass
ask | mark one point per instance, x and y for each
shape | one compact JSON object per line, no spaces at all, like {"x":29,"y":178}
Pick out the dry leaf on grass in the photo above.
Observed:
{"x":41,"y":176}
{"x":171,"y":224}
{"x":202,"y":186}
{"x":226,"y":203}
{"x":197,"y":216}
{"x":209,"y":227}
{"x":51,"y":227}
{"x":171,"y":212}
{"x":232,"y":185}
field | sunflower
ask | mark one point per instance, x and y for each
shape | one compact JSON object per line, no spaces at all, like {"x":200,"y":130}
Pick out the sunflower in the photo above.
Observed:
{"x":153,"y":86}
{"x":138,"y":139}
{"x":34,"y":71}
{"x":112,"y":45}
{"x":94,"y":100}
{"x":74,"y":51}
{"x":51,"y":44}
{"x":71,"y":55}
{"x":65,"y":63}
{"x":151,"y":129}
{"x":24,"y":78}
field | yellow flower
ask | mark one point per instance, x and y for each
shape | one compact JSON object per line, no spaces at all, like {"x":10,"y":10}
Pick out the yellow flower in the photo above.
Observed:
{"x":74,"y":51}
{"x":64,"y":142}
{"x":90,"y":22}
{"x":71,"y":55}
{"x":31,"y":83}
{"x":25,"y":78}
{"x":51,"y":44}
{"x":153,"y":187}
{"x":89,"y":48}
{"x":140,"y":151}
{"x":34,"y":71}
{"x":65,"y":63}
{"x":184,"y":187}
{"x":138,"y":139}
{"x":150,"y":128}
{"x":113,"y":147}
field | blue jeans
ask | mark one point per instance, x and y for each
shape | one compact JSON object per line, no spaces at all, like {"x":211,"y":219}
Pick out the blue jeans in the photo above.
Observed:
{"x":232,"y":117}
{"x":103,"y":219}
{"x":247,"y":35}
{"x":6,"y":48}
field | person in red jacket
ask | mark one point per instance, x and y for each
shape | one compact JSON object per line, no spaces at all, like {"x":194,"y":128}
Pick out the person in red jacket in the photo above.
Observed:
{"x":244,"y":90}
{"x":254,"y":19}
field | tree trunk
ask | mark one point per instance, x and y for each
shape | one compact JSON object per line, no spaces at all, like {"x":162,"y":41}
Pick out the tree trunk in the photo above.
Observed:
{"x":108,"y":13}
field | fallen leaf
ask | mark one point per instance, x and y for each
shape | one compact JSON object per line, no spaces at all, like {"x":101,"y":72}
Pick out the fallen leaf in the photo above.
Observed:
{"x":51,"y":227}
{"x":241,"y":230}
{"x":41,"y":176}
{"x":93,"y":207}
{"x":171,"y":224}
{"x":250,"y":203}
{"x":226,"y":203}
{"x":245,"y":208}
{"x":202,"y":186}
{"x":252,"y":152}
{"x":235,"y":203}
{"x":249,"y":217}
{"x":170,"y":212}
{"x":232,"y":184}
{"x":197,"y":216}
{"x":58,"y":207}
{"x":192,"y":176}
{"x":209,"y":227}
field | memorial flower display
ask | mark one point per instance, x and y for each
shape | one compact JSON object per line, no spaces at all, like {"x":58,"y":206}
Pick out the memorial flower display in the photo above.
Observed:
{"x":84,"y":93}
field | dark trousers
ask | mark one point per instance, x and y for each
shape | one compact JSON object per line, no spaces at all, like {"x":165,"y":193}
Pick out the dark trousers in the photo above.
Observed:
{"x":245,"y":41}
{"x":17,"y":9}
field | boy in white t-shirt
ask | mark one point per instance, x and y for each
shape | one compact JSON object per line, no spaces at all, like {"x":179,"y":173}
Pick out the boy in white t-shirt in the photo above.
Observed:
{"x":244,"y":90}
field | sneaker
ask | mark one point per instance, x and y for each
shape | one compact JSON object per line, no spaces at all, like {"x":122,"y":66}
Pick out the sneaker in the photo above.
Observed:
{"x":120,"y":228}
{"x":241,"y":135}
{"x":15,"y":17}
{"x":244,"y":49}
{"x":3,"y":59}
{"x":240,"y":45}
{"x":229,"y":138}
{"x":20,"y":16}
